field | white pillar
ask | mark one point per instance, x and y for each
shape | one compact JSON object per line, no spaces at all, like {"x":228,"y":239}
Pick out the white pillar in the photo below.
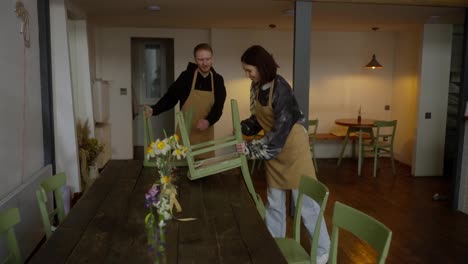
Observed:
{"x":81,"y":80}
{"x":433,"y":98}
{"x":66,"y":150}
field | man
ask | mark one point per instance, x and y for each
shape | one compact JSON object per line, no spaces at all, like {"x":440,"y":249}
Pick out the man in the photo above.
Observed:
{"x":200,"y":89}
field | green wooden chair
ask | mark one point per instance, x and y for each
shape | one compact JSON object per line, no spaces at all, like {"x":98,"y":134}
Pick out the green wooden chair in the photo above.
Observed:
{"x":313,"y":125}
{"x":8,"y":220}
{"x":365,"y":227}
{"x":382,"y":143}
{"x":148,"y":137}
{"x":206,"y":167}
{"x":291,"y":248}
{"x":52,"y":184}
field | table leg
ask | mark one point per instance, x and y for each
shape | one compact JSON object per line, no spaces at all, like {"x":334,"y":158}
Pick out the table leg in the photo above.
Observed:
{"x":360,"y":152}
{"x":343,"y":147}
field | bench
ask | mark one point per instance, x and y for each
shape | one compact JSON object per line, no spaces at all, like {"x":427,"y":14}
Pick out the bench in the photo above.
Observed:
{"x":333,"y":137}
{"x":319,"y":137}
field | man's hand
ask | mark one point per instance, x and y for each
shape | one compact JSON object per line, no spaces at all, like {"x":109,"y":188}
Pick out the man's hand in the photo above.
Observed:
{"x":148,"y":111}
{"x":203,"y":124}
{"x":240,"y":148}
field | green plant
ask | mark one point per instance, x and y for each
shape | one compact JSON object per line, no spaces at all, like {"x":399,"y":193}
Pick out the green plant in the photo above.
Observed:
{"x":90,"y":147}
{"x":93,"y":148}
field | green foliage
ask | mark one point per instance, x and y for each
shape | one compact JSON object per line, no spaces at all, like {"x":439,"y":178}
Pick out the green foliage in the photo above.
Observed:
{"x":91,"y":147}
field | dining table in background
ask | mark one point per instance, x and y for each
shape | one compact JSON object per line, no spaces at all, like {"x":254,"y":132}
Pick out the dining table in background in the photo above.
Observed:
{"x":359,"y":127}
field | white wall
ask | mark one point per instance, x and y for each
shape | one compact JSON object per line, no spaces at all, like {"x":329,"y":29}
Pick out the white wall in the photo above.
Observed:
{"x":433,"y":95}
{"x":21,"y":132}
{"x":405,"y":93}
{"x":113,"y":63}
{"x":66,"y":150}
{"x":80,"y":72}
{"x":339,"y":82}
{"x":22,"y":151}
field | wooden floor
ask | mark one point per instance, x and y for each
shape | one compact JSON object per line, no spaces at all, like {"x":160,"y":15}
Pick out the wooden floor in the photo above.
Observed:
{"x":424,"y":231}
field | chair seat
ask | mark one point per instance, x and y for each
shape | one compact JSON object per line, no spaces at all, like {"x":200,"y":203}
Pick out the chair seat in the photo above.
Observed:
{"x":292,"y":251}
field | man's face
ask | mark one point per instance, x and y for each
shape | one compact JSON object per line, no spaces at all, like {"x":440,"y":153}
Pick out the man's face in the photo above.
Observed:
{"x":204,"y":60}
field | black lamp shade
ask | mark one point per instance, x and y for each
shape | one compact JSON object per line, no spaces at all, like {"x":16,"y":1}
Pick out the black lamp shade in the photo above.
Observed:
{"x":374,"y":64}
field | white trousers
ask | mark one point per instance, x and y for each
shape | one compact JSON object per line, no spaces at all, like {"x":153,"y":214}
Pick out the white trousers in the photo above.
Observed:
{"x":275,"y":217}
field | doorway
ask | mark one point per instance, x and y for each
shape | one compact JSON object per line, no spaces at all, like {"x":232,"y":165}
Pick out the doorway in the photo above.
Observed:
{"x":152,"y":73}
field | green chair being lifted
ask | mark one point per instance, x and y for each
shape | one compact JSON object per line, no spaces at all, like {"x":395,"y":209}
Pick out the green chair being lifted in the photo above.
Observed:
{"x":206,"y":167}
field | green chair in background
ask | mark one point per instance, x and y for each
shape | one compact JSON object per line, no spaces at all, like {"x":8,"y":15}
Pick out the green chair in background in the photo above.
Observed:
{"x":291,"y":248}
{"x":8,"y":220}
{"x":52,"y":184}
{"x":206,"y":167}
{"x":312,"y":129}
{"x":382,"y":143}
{"x":365,"y":227}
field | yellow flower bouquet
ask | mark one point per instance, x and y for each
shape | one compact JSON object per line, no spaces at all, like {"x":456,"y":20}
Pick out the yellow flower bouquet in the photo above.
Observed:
{"x":161,"y":197}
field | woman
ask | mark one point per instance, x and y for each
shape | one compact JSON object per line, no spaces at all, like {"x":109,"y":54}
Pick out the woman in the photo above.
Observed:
{"x":285,"y":146}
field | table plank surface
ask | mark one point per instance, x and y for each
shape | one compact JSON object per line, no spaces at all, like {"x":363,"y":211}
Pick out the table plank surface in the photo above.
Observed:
{"x":107,"y":223}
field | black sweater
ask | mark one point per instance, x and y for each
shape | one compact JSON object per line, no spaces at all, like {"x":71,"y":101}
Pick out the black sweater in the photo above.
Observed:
{"x":179,"y":91}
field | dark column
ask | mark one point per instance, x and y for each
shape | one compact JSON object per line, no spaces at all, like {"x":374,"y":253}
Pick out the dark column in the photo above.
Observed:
{"x":301,"y":66}
{"x":46,"y":82}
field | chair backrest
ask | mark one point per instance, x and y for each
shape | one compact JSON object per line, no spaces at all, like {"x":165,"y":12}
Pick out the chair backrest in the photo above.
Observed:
{"x":148,"y":137}
{"x":51,"y":184}
{"x":312,"y":130}
{"x":313,"y":125}
{"x":8,"y":220}
{"x":385,"y":129}
{"x":319,"y":193}
{"x":365,"y":227}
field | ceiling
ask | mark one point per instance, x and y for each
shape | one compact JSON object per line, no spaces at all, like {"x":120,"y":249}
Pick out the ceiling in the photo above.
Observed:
{"x":350,"y":15}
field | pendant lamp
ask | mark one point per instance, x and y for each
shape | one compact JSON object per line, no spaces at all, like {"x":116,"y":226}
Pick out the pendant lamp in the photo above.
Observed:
{"x":374,"y":64}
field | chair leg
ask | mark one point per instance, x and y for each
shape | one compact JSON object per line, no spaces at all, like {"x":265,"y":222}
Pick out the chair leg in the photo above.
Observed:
{"x":315,"y":161}
{"x":250,"y":188}
{"x":376,"y":160}
{"x":393,"y":161}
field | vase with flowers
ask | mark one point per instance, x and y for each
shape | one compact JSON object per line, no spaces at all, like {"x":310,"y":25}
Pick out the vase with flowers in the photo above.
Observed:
{"x":161,"y":197}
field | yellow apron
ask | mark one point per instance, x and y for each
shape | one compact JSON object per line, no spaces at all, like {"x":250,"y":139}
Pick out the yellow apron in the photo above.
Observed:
{"x":201,"y":103}
{"x":294,"y":160}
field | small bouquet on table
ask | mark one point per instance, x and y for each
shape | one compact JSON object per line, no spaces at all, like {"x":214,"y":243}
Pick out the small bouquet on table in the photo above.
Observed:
{"x":161,"y":198}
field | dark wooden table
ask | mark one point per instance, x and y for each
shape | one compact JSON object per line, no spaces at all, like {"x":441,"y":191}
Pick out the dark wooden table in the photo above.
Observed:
{"x":107,"y":223}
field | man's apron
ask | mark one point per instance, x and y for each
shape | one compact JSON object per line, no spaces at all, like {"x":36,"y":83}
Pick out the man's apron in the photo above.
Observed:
{"x":200,"y":102}
{"x":294,"y":160}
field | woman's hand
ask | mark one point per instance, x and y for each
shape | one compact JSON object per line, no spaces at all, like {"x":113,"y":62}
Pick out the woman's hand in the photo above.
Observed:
{"x":240,"y":148}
